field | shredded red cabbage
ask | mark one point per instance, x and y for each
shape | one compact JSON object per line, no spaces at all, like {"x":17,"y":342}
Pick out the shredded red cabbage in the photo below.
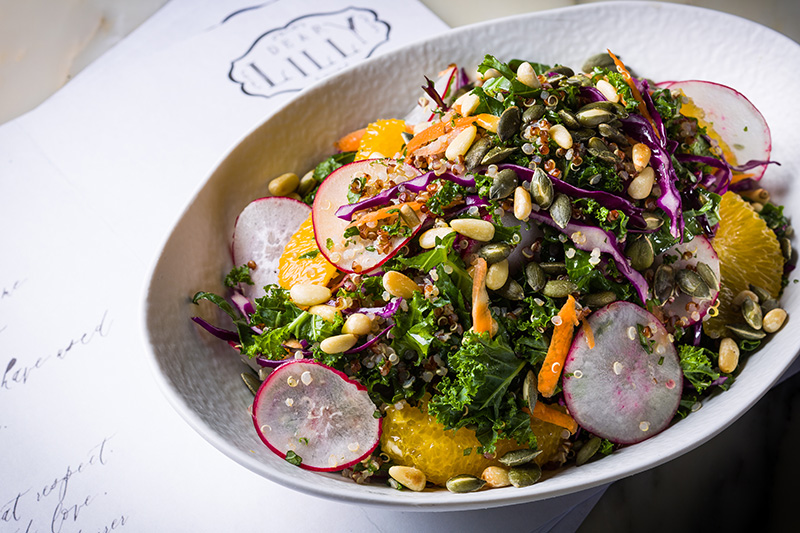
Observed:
{"x":386,"y":311}
{"x":418,"y":184}
{"x":720,"y":180}
{"x":606,"y":242}
{"x":219,"y":333}
{"x":370,"y":342}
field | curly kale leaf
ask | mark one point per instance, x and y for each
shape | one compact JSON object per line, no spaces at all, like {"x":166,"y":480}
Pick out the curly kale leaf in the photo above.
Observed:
{"x":697,"y":366}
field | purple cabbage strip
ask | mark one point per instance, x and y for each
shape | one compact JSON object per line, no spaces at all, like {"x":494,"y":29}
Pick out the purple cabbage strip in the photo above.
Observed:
{"x":606,"y":199}
{"x":417,"y":184}
{"x":592,"y":94}
{"x":605,"y":242}
{"x":370,"y":342}
{"x":386,"y":311}
{"x":269,"y":363}
{"x":219,"y":333}
{"x":640,"y":129}
{"x":722,"y":179}
{"x":243,"y":304}
{"x":644,"y":90}
{"x":747,"y":184}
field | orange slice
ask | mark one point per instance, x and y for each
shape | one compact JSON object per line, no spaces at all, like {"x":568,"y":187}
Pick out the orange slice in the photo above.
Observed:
{"x":382,"y":136}
{"x":748,"y":253}
{"x":301,"y":261}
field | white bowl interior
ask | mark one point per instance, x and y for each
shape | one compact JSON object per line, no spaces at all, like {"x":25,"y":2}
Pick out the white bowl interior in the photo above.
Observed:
{"x":200,"y":374}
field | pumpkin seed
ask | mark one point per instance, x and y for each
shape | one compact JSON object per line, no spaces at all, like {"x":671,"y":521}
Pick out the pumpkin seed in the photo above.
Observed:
{"x":598,"y":144}
{"x":535,"y":276}
{"x":503,"y":184}
{"x":708,"y":275}
{"x":553,"y":267}
{"x":497,"y":155}
{"x":561,"y":210}
{"x":641,"y":253}
{"x":762,"y":293}
{"x":591,"y":118}
{"x":509,"y":123}
{"x":568,"y":119}
{"x":652,"y":221}
{"x":530,"y":392}
{"x":533,"y":113}
{"x":284,"y":184}
{"x":599,"y":60}
{"x":743,"y":331}
{"x":463,"y":483}
{"x":307,"y":182}
{"x":252,"y":382}
{"x":519,"y":457}
{"x":477,"y":152}
{"x":582,"y":135}
{"x":588,"y":450}
{"x":742,"y":296}
{"x":612,"y":107}
{"x":511,"y":290}
{"x":542,"y":188}
{"x":768,"y":305}
{"x":524,"y":476}
{"x":559,"y":288}
{"x":751,"y":312}
{"x":563,"y":70}
{"x":786,"y":248}
{"x":599,"y":299}
{"x":611,"y":133}
{"x":692,"y":284}
{"x":664,"y":283}
{"x":495,"y":252}
{"x":578,"y":80}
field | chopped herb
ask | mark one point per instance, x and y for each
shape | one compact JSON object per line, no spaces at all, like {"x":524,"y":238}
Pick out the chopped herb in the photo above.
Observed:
{"x":329,"y":243}
{"x":311,"y":254}
{"x":293,"y":458}
{"x":352,"y":231}
{"x":238,"y":275}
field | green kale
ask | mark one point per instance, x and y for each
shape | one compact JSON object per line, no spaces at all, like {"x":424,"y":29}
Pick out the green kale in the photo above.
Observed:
{"x":448,"y":193}
{"x":617,"y":224}
{"x":507,"y":82}
{"x":594,"y":174}
{"x":442,"y":254}
{"x":482,"y":371}
{"x":324,"y":169}
{"x":697,"y":366}
{"x":238,"y":275}
{"x":775,"y":219}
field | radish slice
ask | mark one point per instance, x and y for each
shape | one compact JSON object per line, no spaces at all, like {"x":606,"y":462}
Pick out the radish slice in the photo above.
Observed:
{"x":617,"y":390}
{"x":355,"y":254}
{"x":260,"y":234}
{"x":682,"y":309}
{"x":318,"y":413}
{"x":733,"y":117}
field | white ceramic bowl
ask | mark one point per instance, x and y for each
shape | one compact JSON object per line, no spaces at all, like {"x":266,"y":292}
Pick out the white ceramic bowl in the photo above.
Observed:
{"x":200,"y":374}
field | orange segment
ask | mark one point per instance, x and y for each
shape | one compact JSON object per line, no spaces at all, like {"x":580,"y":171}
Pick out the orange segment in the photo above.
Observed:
{"x":301,"y":261}
{"x":382,"y":136}
{"x":411,"y":437}
{"x":748,"y":253}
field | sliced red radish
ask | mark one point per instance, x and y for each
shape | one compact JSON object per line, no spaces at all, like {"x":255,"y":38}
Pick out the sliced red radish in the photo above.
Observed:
{"x":318,"y":413}
{"x":733,"y":117}
{"x":682,"y":309}
{"x":355,"y":254}
{"x":260,"y":234}
{"x":625,"y":389}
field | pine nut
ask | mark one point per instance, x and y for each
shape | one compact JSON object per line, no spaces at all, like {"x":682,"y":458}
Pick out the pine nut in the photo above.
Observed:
{"x":474,"y":228}
{"x":496,"y":275}
{"x":327,"y":312}
{"x":522,"y":204}
{"x":527,"y":76}
{"x":408,"y":476}
{"x":399,"y":285}
{"x":357,"y":324}
{"x":307,"y":294}
{"x":284,"y":184}
{"x":338,"y":343}
{"x":462,"y":142}
{"x":561,"y":136}
{"x":640,"y":154}
{"x":607,"y":90}
{"x":728,"y":355}
{"x":489,"y":74}
{"x":495,"y":477}
{"x":642,"y":185}
{"x":773,"y":321}
{"x":466,"y":104}
{"x":428,"y":239}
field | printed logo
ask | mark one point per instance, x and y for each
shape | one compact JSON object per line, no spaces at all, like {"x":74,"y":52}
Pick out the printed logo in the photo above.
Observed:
{"x":308,"y":48}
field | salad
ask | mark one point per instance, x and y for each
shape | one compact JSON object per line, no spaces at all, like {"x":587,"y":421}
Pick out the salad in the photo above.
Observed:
{"x":533,"y":267}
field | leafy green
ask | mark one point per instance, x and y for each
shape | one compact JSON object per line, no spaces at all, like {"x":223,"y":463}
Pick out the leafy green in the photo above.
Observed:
{"x":508,"y":81}
{"x":587,"y":175}
{"x":709,"y":209}
{"x":442,"y":254}
{"x":448,"y":193}
{"x":618,"y":223}
{"x":697,"y":366}
{"x":238,"y":275}
{"x":483,"y":369}
{"x":323,"y":170}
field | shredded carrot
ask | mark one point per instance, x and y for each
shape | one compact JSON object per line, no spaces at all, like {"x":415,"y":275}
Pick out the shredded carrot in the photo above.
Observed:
{"x":636,"y":94}
{"x":481,"y":316}
{"x":557,"y":351}
{"x":587,"y":330}
{"x":554,"y":416}
{"x":439,"y":145}
{"x":440,"y":128}
{"x":351,"y":141}
{"x":383,"y":212}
